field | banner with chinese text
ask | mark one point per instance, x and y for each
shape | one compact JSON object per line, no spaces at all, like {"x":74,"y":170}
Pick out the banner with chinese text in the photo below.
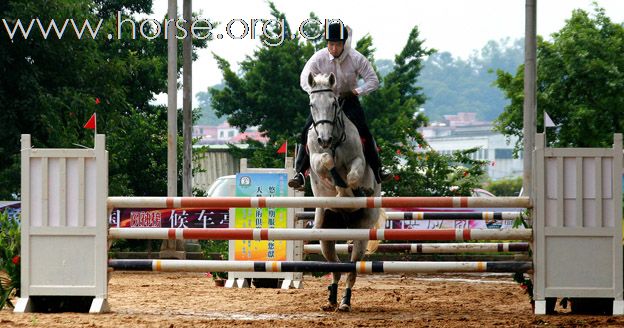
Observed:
{"x":260,"y":185}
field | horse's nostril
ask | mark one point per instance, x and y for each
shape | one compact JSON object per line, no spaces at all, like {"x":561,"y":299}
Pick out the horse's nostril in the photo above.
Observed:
{"x":319,"y":140}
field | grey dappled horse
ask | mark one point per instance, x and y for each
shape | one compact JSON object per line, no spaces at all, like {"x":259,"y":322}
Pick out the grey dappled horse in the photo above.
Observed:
{"x":338,"y":168}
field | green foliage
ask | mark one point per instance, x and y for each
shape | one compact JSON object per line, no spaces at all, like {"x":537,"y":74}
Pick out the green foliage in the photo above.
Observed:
{"x":220,"y":247}
{"x":48,"y":88}
{"x":505,"y":187}
{"x":266,"y":93}
{"x":580,"y":84}
{"x":9,"y":259}
{"x":429,"y":173}
{"x":455,"y":85}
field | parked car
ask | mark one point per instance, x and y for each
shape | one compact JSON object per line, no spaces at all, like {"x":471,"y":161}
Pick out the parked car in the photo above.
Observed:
{"x":224,"y":186}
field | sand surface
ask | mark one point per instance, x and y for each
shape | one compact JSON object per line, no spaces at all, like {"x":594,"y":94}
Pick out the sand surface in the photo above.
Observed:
{"x":193,"y":300}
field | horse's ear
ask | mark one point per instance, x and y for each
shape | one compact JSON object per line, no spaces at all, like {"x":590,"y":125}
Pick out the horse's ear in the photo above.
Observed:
{"x":311,"y":82}
{"x":332,"y":79}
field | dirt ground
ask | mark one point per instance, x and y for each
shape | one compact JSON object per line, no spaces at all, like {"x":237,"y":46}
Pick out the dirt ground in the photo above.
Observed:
{"x":193,"y":300}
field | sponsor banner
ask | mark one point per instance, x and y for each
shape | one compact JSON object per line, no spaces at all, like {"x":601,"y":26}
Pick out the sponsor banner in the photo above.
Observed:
{"x":168,"y":218}
{"x":448,"y":224}
{"x":260,"y":185}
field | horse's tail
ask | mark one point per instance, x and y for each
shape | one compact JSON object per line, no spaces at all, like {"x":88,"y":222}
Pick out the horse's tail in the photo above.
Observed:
{"x":381,"y":223}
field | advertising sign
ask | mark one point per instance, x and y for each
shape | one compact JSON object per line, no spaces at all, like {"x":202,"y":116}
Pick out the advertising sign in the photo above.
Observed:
{"x":260,"y":185}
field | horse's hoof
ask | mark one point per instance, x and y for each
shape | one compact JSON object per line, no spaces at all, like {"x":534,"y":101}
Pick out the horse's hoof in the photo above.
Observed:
{"x":344,"y":308}
{"x":329,"y":307}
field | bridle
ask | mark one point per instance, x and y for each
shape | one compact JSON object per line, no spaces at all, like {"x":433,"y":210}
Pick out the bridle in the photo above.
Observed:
{"x":337,"y":121}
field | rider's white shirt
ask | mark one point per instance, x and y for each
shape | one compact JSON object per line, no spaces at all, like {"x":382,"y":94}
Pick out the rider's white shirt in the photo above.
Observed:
{"x":347,"y":70}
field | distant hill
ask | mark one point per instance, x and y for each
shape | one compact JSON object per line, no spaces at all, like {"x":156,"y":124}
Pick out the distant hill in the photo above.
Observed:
{"x":208,"y":116}
{"x":454,"y":85}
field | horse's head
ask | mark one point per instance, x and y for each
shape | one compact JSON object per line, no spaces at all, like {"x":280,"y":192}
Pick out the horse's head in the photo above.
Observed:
{"x":324,"y":107}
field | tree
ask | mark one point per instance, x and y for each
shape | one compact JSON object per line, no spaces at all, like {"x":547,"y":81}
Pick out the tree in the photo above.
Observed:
{"x":50,"y":87}
{"x":208,"y":115}
{"x":580,"y":83}
{"x":267,"y":92}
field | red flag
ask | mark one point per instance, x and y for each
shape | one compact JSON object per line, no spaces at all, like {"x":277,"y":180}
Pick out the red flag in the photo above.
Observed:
{"x":90,"y":123}
{"x":282,"y":149}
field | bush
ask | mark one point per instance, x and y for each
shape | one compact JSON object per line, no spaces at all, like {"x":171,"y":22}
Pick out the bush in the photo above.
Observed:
{"x":505,"y":187}
{"x":9,"y":259}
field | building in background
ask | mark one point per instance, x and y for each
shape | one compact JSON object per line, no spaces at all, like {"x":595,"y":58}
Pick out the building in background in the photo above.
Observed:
{"x":463,"y":131}
{"x":224,"y":134}
{"x":216,"y":159}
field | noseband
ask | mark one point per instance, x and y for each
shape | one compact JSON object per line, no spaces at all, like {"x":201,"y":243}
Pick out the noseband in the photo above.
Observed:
{"x":337,"y":121}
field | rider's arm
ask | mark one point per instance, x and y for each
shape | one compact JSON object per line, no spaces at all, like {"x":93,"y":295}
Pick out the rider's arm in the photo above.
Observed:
{"x":365,"y":70}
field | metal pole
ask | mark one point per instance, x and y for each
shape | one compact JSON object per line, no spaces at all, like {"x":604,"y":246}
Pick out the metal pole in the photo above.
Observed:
{"x":311,"y":266}
{"x":530,"y":91}
{"x":323,"y":202}
{"x":318,"y":234}
{"x":172,"y":106}
{"x":187,"y":102}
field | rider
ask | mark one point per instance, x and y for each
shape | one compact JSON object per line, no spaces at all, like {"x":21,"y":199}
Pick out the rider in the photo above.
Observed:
{"x":347,"y":64}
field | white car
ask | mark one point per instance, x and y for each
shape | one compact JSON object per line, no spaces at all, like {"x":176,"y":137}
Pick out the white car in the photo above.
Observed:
{"x":224,"y":186}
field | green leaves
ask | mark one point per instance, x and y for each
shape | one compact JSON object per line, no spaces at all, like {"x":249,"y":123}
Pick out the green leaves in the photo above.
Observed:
{"x":580,"y":83}
{"x":48,"y":89}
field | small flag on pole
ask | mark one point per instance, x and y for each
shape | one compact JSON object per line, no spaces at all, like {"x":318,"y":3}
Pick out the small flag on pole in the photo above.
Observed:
{"x":283,"y":148}
{"x":548,"y":122}
{"x":91,"y":123}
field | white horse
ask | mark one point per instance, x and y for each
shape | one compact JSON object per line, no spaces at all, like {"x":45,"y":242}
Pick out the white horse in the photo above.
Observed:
{"x":338,"y":168}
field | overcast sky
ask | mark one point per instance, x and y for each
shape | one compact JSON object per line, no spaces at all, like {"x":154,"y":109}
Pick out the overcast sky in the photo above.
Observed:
{"x":457,"y":26}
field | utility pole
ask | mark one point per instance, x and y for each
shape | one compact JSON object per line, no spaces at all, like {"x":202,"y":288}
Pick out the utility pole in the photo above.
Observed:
{"x":172,"y":105}
{"x":172,"y":248}
{"x":530,"y":94}
{"x":187,"y":102}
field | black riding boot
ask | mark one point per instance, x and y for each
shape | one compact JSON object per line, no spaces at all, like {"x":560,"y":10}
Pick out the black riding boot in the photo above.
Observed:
{"x":302,"y":164}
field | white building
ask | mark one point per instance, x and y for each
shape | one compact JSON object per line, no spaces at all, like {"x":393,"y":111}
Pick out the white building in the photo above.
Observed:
{"x":463,"y":131}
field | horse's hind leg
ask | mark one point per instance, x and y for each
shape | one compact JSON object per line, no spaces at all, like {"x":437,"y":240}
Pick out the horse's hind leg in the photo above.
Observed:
{"x":329,"y":252}
{"x":359,"y":247}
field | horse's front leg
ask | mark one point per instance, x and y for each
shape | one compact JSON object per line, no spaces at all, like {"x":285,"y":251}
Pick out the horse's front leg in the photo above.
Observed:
{"x":359,"y":247}
{"x":356,"y":172}
{"x":322,"y":163}
{"x":328,"y":247}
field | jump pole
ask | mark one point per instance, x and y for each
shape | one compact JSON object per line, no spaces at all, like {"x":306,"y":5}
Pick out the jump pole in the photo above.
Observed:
{"x":318,"y":202}
{"x":312,"y":266}
{"x":446,"y":248}
{"x":320,"y":234}
{"x":486,"y":216}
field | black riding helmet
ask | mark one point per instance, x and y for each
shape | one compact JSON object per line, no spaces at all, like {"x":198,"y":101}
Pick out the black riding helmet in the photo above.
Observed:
{"x":337,"y":32}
